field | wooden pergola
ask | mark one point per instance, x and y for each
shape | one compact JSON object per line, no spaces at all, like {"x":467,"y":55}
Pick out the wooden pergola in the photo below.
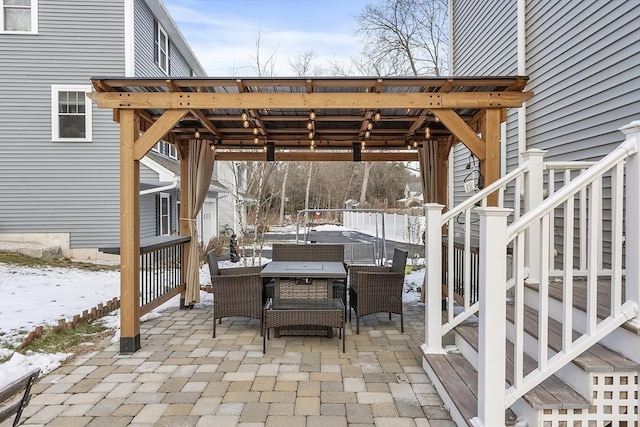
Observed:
{"x":296,"y":119}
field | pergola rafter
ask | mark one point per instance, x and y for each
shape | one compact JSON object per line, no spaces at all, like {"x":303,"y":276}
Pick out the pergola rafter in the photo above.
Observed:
{"x":456,"y":109}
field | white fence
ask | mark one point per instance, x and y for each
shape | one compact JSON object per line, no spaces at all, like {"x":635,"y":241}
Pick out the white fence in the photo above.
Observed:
{"x":397,"y":227}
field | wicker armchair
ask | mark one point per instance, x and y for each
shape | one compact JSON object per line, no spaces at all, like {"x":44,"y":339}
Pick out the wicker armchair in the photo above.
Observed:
{"x":376,"y":289}
{"x":236,"y":291}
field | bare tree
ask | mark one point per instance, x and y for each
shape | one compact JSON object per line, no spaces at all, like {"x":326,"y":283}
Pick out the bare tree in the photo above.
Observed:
{"x":264,"y":68}
{"x":365,"y":183}
{"x":404,"y":37}
{"x":283,"y":192}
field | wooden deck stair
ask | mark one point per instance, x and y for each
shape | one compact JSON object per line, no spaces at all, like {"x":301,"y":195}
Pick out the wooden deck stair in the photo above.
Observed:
{"x":460,"y":381}
{"x":580,"y":299}
{"x":598,"y":358}
{"x":458,"y":377}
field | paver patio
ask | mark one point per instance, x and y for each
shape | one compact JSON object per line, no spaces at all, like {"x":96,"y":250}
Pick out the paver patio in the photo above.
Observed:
{"x":184,"y":377}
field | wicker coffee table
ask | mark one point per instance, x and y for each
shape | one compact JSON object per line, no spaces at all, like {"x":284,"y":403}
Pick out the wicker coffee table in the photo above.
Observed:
{"x":280,"y":312}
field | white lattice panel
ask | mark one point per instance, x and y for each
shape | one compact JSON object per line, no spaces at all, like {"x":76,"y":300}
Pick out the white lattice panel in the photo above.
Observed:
{"x":614,"y":398}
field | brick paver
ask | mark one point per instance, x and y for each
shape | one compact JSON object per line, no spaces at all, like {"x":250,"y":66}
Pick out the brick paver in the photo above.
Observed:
{"x":184,"y":377}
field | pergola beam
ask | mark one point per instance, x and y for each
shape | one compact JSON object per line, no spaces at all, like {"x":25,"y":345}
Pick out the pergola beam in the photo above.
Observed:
{"x":318,"y":156}
{"x":157,"y":131}
{"x":248,"y":100}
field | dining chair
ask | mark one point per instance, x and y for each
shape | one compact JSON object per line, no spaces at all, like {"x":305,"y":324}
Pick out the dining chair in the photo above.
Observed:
{"x":377,"y":289}
{"x":236,"y":291}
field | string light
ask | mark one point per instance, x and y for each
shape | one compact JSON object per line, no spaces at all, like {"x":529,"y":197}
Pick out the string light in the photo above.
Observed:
{"x":312,"y":115}
{"x":377,"y":116}
{"x":427,"y":133}
{"x":245,"y":123}
{"x":256,"y":131}
{"x":367,"y":134}
{"x":415,"y":144}
{"x":256,"y":140}
{"x":311,"y":135}
{"x":363,"y":145}
{"x":264,"y":148}
{"x":196,"y":135}
{"x":245,"y":116}
{"x":310,"y":125}
{"x":212,"y":145}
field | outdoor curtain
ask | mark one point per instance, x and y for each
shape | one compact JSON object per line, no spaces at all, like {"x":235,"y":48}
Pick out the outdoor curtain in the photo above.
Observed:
{"x":428,"y":155}
{"x":200,"y":170}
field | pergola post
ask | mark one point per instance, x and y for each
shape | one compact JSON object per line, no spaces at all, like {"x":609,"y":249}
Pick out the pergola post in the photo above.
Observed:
{"x":490,"y":166}
{"x":129,"y":233}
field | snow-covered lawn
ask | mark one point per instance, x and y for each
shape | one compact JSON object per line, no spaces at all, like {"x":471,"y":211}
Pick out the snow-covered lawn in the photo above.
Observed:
{"x":31,"y":296}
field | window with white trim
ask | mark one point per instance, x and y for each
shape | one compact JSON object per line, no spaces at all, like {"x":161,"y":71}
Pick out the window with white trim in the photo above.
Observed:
{"x":19,"y":16}
{"x":71,"y":113}
{"x":164,"y":216}
{"x":161,"y":47}
{"x":166,"y":149}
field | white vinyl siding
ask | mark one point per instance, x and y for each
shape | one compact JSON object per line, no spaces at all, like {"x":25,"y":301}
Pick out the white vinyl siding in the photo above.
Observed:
{"x":71,"y":118}
{"x":19,"y":16}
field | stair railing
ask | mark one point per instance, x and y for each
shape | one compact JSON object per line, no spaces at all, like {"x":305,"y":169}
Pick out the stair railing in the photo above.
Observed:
{"x":512,"y":183}
{"x":496,"y":236}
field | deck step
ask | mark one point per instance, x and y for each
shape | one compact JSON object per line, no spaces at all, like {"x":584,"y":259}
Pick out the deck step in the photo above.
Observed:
{"x":460,"y":381}
{"x":597,"y":359}
{"x":552,"y":393}
{"x":580,"y":300}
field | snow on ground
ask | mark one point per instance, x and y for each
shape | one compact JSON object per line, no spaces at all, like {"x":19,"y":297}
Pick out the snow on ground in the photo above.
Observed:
{"x":34,"y":296}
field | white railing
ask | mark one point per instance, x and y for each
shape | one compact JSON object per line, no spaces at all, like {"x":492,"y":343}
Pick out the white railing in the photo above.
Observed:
{"x":513,"y":181}
{"x":497,"y":235}
{"x":397,"y":227}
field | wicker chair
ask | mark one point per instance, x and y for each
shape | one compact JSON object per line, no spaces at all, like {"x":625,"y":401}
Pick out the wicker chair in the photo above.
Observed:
{"x":236,"y":291}
{"x":376,"y":289}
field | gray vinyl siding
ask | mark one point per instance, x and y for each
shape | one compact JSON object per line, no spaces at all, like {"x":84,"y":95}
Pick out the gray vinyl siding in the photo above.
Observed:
{"x":60,"y":187}
{"x":69,"y":187}
{"x":485,"y":38}
{"x":148,"y":215}
{"x":144,"y":47}
{"x":583,"y":67}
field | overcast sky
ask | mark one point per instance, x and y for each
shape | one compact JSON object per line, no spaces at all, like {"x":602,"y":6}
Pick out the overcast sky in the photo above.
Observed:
{"x":222,"y":33}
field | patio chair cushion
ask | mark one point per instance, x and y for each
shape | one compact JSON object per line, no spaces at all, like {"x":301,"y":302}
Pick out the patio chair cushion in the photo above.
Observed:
{"x":212,"y":260}
{"x":399,"y":261}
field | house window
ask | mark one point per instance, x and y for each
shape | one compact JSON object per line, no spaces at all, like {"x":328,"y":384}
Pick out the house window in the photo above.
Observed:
{"x":70,"y":113}
{"x":166,"y":149}
{"x":19,"y":16}
{"x":164,"y":215}
{"x":161,"y":47}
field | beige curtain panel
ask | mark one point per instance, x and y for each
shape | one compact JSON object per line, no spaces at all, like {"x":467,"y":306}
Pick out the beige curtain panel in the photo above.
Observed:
{"x":428,"y":156}
{"x":200,"y":170}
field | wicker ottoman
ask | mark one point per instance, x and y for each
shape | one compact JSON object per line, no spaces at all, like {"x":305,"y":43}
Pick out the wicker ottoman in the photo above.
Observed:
{"x":280,"y":313}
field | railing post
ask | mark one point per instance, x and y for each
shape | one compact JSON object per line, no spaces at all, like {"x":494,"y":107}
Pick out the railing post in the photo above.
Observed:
{"x":632,"y":242}
{"x":533,"y":196}
{"x":433,"y":279}
{"x":492,"y":316}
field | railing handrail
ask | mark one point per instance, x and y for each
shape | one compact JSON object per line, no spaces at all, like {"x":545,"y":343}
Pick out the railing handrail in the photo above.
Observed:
{"x":486,"y":191}
{"x":619,"y":154}
{"x":559,"y":165}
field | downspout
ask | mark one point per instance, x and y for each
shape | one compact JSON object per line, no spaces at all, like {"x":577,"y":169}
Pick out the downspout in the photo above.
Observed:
{"x":522,"y":71}
{"x":171,"y":186}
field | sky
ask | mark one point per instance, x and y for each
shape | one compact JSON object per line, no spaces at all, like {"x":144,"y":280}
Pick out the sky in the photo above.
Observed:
{"x":223,"y":33}
{"x":31,"y":297}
